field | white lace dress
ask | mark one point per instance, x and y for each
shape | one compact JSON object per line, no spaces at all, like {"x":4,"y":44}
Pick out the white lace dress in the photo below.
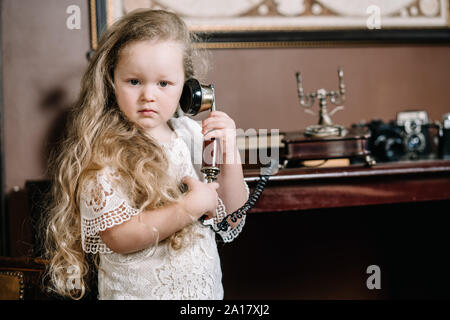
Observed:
{"x":158,"y":272}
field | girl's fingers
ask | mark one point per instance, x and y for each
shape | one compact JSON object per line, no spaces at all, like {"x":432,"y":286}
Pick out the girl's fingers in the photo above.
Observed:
{"x":214,"y":185}
{"x":218,"y":114}
{"x":212,"y":126}
{"x":213,"y":134}
{"x":223,"y":134}
{"x":217,"y":124}
{"x":209,"y":121}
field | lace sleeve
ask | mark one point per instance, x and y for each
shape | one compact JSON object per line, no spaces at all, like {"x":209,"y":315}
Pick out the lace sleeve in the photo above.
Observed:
{"x":101,"y":207}
{"x":221,"y":212}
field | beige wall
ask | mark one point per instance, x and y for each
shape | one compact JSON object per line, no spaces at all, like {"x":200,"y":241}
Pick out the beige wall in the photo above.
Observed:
{"x":258,"y":87}
{"x":43,"y":63}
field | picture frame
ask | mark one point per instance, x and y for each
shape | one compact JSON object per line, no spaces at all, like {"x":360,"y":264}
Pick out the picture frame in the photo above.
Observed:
{"x":315,"y":23}
{"x":4,"y":242}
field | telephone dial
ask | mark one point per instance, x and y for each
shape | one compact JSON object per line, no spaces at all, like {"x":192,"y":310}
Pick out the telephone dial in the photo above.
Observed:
{"x":197,"y":98}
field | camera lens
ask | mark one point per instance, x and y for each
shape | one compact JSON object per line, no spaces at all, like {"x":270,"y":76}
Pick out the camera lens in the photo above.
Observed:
{"x":388,"y":147}
{"x":415,"y":143}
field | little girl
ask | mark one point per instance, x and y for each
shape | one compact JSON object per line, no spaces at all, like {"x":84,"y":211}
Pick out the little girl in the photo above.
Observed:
{"x":117,"y":179}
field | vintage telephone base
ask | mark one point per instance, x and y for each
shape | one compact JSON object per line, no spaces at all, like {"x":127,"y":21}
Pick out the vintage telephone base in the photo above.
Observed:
{"x":321,"y":131}
{"x":299,"y":146}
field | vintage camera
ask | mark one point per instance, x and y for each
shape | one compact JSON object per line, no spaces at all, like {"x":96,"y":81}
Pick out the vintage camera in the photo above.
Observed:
{"x":407,"y":138}
{"x":444,"y":137}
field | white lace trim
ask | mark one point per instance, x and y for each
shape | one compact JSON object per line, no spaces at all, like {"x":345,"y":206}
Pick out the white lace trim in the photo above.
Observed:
{"x":91,"y":240}
{"x":221,"y":212}
{"x":102,"y":206}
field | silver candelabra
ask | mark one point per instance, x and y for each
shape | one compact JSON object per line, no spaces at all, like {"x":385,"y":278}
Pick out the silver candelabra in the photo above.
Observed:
{"x":325,"y":127}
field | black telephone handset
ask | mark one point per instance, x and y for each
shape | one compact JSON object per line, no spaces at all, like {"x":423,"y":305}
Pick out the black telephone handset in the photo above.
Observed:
{"x":197,"y":98}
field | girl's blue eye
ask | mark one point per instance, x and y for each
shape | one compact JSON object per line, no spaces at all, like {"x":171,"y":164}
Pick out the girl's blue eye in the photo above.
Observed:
{"x":163,"y":84}
{"x":133,"y":82}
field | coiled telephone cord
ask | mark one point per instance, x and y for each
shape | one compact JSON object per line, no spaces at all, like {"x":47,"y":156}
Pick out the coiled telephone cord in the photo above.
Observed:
{"x":264,"y":177}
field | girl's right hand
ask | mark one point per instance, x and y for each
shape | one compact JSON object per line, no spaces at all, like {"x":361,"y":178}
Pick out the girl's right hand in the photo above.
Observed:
{"x":201,"y":198}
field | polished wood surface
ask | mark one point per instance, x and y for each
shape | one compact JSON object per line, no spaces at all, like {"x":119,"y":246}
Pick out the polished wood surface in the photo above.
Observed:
{"x":355,"y":185}
{"x":299,"y":146}
{"x":30,"y":272}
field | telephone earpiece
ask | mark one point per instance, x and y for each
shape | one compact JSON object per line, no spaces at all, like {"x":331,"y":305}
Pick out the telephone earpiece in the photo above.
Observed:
{"x":196,"y":97}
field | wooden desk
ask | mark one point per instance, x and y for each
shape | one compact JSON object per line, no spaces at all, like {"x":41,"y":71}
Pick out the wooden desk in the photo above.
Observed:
{"x":356,"y":185}
{"x":314,"y":232}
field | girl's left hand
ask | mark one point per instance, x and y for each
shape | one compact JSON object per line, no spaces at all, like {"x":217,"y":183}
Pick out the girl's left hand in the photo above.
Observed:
{"x":220,"y":125}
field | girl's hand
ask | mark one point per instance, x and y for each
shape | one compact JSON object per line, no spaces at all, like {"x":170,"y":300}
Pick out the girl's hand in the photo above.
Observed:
{"x":201,"y":198}
{"x":220,"y":125}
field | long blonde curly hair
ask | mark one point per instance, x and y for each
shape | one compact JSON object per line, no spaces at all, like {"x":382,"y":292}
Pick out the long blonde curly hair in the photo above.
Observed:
{"x":99,"y":135}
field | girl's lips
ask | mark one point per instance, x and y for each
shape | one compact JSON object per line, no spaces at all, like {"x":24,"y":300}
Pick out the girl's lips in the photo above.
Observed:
{"x":147,"y":112}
